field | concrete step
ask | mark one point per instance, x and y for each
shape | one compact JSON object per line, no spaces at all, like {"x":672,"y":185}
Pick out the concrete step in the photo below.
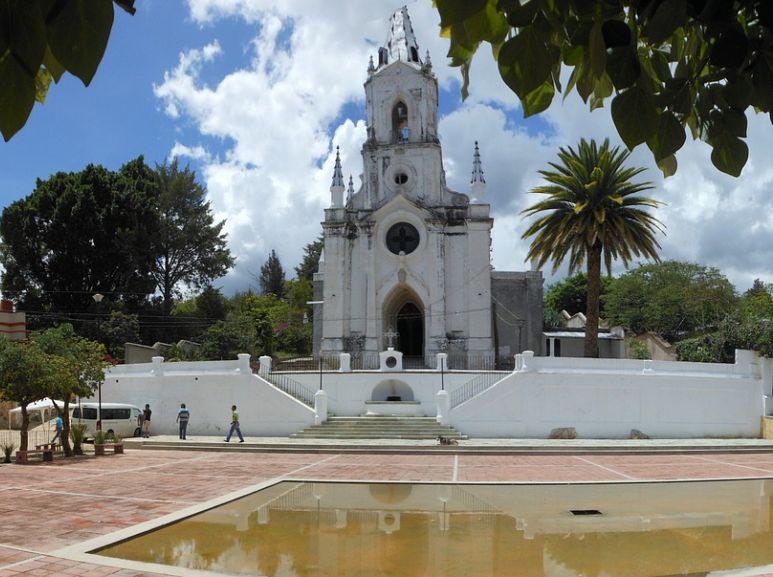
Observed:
{"x":375,"y":427}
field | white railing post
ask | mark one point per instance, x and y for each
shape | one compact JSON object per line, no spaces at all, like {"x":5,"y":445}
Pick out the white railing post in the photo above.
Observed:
{"x":527,"y":361}
{"x":158,"y":366}
{"x":265,"y":365}
{"x":244,"y":363}
{"x":320,"y":407}
{"x":443,"y":403}
{"x":442,"y":362}
{"x":345,"y":364}
{"x":766,"y":374}
{"x":746,"y":363}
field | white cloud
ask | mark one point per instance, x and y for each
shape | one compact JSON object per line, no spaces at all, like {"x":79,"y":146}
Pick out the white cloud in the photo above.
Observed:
{"x":194,"y":152}
{"x":280,"y":119}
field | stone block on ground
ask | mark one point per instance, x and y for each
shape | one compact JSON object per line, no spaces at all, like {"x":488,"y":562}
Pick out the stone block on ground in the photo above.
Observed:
{"x":563,"y":433}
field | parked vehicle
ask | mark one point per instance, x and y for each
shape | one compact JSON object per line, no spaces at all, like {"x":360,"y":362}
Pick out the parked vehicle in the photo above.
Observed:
{"x":117,"y":418}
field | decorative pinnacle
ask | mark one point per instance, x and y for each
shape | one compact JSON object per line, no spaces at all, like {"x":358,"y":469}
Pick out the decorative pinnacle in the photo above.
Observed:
{"x":477,"y":167}
{"x":338,"y":176}
{"x":350,"y":190}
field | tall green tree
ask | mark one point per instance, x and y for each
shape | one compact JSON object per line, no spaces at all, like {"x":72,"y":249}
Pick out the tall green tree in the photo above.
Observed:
{"x":668,"y":66}
{"x":272,"y":276}
{"x":674,"y":299}
{"x":310,"y":262}
{"x":118,"y":329}
{"x":191,"y":248}
{"x":757,"y":302}
{"x":571,"y":294}
{"x":592,"y":210}
{"x":40,"y":41}
{"x":81,"y":233}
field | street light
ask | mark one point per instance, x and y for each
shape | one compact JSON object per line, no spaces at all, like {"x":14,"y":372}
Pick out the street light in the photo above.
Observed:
{"x":98,"y":299}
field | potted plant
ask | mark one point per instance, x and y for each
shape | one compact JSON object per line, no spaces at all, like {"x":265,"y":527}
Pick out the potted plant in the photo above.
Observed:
{"x":100,"y":438}
{"x":8,"y":451}
{"x":77,"y":434}
{"x":117,"y":445}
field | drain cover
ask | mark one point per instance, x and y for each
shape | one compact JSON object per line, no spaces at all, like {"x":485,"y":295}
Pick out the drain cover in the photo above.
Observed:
{"x":582,"y":512}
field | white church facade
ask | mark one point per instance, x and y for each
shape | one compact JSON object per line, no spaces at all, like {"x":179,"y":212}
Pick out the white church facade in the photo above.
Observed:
{"x":406,"y":260}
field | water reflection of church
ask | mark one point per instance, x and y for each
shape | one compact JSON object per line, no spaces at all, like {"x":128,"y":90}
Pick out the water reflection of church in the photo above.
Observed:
{"x":362,"y":529}
{"x":405,"y":254}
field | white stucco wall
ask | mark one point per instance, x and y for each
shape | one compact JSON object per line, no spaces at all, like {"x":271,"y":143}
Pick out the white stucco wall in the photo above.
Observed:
{"x":208,"y":389}
{"x":600,"y":398}
{"x":606,"y":398}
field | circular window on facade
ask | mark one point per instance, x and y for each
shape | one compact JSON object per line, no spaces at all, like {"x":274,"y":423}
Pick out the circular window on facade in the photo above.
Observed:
{"x":402,"y":238}
{"x":401,"y":178}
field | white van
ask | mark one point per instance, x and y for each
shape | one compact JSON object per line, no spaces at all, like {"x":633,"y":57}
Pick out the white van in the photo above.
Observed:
{"x":117,"y":418}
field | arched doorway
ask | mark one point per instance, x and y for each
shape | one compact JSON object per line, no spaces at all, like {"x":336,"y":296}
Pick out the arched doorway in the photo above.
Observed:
{"x":403,"y":325}
{"x":410,"y":328}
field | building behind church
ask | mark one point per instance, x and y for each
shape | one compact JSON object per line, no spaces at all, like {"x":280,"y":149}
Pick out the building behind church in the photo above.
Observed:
{"x":406,"y":260}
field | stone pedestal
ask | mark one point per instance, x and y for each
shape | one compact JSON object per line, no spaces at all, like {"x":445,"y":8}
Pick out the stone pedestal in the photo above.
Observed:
{"x":390,"y":360}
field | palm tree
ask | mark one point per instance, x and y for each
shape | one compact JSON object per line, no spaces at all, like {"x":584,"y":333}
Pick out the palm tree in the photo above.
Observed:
{"x":592,"y":208}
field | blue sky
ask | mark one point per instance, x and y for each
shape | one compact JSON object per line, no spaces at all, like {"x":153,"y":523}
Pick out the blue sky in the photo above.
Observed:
{"x":256,"y":95}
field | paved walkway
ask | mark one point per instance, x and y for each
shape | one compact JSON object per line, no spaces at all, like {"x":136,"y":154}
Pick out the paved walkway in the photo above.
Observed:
{"x":47,"y":507}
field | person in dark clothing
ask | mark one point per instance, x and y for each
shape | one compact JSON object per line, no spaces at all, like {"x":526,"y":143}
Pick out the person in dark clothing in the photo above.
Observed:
{"x":146,"y":421}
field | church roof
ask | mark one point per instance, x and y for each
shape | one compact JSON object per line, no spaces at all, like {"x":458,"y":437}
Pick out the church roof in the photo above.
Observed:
{"x":401,"y":43}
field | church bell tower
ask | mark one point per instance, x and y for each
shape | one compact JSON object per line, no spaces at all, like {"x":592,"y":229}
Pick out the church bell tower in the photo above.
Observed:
{"x":404,"y":254}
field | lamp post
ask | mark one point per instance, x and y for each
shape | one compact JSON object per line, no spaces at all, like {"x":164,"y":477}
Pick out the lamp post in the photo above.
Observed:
{"x":98,"y":299}
{"x":442,"y":369}
{"x":320,"y":370}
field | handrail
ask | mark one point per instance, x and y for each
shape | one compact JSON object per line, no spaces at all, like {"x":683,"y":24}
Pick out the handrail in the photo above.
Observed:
{"x":475,"y":386}
{"x":292,"y":387}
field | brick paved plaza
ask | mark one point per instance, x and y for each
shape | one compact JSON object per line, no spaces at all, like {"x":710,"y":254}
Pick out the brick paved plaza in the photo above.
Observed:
{"x":47,"y":507}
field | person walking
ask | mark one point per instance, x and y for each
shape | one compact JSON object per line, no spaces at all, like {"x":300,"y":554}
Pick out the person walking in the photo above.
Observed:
{"x":234,"y":426}
{"x":59,"y":424}
{"x":146,"y":421}
{"x":183,"y":416}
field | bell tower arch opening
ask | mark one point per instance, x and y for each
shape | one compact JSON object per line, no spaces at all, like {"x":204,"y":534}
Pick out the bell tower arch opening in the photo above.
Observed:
{"x":404,"y":314}
{"x":400,"y":130}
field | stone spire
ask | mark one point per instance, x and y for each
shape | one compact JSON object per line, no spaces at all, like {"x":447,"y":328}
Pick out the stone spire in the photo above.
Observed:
{"x":350,"y":190}
{"x":337,"y":187}
{"x":477,"y":183}
{"x":401,"y":43}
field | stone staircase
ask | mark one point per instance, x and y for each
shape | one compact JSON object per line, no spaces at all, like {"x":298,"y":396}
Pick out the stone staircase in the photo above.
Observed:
{"x":377,"y":427}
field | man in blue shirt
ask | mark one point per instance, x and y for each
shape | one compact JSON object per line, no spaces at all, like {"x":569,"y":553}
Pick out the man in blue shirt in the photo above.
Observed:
{"x":183,"y":416}
{"x":59,"y":427}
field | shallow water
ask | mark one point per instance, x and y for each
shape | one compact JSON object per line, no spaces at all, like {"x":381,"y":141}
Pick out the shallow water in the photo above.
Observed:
{"x":361,"y":530}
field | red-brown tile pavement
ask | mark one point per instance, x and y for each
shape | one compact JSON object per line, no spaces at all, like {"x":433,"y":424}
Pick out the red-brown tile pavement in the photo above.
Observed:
{"x":48,"y":506}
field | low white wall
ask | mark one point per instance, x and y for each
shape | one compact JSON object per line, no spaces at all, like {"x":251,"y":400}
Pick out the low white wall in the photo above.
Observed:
{"x":347,"y":392}
{"x":600,"y":398}
{"x":607,"y":398}
{"x":208,"y":389}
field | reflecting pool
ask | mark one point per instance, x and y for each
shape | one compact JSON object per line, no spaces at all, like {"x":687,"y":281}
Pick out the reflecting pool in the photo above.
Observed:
{"x":361,"y":530}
